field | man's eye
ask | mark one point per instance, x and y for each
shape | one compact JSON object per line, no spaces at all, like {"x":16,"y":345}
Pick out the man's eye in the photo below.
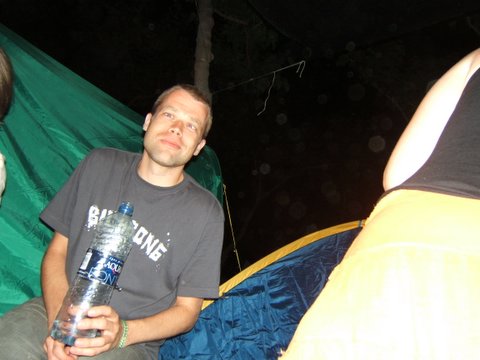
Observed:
{"x":168,"y":115}
{"x":192,"y":127}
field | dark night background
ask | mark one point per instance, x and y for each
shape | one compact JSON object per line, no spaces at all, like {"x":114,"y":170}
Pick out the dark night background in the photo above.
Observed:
{"x":314,"y":157}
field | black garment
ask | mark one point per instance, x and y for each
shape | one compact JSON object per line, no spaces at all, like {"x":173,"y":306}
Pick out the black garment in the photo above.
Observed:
{"x":454,"y":165}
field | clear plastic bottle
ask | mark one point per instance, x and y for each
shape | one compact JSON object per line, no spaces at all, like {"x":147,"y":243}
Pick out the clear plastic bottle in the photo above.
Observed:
{"x":98,"y":274}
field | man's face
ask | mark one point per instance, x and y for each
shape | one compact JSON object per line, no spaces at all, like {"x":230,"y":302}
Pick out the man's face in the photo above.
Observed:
{"x":175,"y":132}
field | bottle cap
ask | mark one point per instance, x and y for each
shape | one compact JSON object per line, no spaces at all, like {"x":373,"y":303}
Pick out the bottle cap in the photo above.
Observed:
{"x":126,"y":208}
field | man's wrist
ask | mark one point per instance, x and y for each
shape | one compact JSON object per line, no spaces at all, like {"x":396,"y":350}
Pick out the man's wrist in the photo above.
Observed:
{"x":123,"y":339}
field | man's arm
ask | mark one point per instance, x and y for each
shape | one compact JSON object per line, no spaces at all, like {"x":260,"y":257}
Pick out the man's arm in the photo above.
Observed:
{"x":54,"y":277}
{"x":422,"y":133}
{"x":177,"y":319}
{"x":54,"y":288}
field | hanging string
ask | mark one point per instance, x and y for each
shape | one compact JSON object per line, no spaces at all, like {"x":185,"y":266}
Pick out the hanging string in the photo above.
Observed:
{"x":300,"y":67}
{"x":268,"y":95}
{"x":235,"y":250}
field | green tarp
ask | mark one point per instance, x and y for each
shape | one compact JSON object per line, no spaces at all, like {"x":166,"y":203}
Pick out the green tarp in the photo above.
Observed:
{"x":55,"y":119}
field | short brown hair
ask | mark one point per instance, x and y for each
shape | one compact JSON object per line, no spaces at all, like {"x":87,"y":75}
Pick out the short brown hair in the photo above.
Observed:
{"x":6,"y":83}
{"x":195,"y":93}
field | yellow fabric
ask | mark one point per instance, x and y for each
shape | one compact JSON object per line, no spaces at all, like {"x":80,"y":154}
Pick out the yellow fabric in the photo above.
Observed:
{"x":408,"y":287}
{"x":283,"y":251}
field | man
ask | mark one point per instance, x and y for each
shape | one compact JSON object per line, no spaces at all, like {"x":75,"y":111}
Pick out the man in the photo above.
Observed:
{"x":174,"y":263}
{"x":408,"y":287}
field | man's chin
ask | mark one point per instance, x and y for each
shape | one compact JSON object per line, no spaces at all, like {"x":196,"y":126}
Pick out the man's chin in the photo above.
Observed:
{"x":170,"y":162}
{"x":169,"y":159}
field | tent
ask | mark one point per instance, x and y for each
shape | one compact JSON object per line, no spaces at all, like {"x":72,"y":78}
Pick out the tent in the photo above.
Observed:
{"x":56,"y":117}
{"x":260,"y":307}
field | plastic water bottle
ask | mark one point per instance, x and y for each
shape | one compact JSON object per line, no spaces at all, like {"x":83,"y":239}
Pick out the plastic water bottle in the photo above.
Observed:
{"x":97,"y":276}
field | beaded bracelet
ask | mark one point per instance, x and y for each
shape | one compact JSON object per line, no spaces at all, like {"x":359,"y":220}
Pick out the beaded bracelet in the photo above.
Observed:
{"x":123,"y":339}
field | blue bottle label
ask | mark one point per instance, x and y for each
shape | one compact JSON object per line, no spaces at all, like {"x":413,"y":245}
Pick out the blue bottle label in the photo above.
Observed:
{"x":101,"y":267}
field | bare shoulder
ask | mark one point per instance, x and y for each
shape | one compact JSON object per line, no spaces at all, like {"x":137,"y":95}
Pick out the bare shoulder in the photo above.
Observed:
{"x":433,"y":113}
{"x":469,"y":64}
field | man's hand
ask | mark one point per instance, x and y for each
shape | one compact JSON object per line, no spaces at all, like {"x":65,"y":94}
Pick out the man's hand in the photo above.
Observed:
{"x":106,"y":320}
{"x":57,"y":351}
{"x":102,"y":318}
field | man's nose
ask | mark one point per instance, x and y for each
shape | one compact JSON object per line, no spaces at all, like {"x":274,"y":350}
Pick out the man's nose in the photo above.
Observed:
{"x":176,"y":128}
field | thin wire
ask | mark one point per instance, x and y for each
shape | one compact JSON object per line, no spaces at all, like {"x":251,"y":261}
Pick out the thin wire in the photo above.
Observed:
{"x":268,"y":95}
{"x":300,"y":67}
{"x":235,"y":250}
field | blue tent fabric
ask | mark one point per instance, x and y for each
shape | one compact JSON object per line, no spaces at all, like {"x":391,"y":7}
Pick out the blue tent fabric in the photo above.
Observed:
{"x":257,"y":318}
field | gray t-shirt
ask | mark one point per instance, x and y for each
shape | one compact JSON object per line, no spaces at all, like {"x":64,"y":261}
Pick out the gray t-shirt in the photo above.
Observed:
{"x":178,"y":236}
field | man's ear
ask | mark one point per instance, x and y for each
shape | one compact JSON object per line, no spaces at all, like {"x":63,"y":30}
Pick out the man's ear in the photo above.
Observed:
{"x":146,"y":123}
{"x":200,"y":146}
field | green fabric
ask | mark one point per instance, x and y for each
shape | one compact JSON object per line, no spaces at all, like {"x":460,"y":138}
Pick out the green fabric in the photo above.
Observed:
{"x":55,"y":119}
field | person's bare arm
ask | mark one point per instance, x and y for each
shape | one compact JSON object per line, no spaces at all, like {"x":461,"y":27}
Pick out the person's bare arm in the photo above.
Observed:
{"x":54,"y":277}
{"x":54,"y":288}
{"x":179,"y":318}
{"x":422,"y":133}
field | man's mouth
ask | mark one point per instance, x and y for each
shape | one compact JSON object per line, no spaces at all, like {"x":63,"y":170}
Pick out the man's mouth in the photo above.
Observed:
{"x":170,"y":143}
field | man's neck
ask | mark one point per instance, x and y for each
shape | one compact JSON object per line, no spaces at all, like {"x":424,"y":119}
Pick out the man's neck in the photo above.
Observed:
{"x":158,"y":175}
